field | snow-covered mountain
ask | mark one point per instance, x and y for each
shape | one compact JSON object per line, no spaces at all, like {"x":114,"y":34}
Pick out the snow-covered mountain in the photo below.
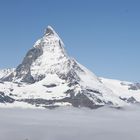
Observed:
{"x":48,"y":77}
{"x":5,"y":72}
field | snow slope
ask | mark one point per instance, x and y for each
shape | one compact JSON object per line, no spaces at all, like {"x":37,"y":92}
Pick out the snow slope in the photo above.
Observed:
{"x":123,"y":89}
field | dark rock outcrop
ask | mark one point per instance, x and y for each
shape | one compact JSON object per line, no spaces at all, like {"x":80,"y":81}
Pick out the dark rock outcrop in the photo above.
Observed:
{"x":5,"y":99}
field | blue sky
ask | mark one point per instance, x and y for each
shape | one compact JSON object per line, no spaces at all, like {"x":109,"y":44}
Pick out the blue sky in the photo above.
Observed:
{"x":103,"y":35}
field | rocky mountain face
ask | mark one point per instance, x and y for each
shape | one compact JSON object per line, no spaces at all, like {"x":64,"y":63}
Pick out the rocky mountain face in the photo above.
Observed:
{"x":48,"y":77}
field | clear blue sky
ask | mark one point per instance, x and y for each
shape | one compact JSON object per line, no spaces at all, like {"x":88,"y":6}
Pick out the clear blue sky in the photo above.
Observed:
{"x":103,"y":35}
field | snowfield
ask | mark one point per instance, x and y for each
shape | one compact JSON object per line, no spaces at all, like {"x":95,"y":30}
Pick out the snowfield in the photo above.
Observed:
{"x":70,"y":124}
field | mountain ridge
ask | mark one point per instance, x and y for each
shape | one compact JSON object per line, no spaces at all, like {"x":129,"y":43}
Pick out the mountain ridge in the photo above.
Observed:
{"x":48,"y":77}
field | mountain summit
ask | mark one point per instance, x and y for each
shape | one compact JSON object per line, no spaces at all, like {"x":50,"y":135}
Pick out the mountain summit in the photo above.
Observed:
{"x":50,"y":31}
{"x":48,"y":77}
{"x":46,"y":56}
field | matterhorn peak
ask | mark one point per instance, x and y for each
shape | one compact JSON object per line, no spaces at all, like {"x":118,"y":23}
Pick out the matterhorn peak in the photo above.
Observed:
{"x":49,"y":31}
{"x":47,"y":56}
{"x":48,"y":77}
{"x":50,"y":35}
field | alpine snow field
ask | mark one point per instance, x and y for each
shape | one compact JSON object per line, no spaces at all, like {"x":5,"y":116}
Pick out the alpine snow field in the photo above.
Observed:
{"x":49,"y":78}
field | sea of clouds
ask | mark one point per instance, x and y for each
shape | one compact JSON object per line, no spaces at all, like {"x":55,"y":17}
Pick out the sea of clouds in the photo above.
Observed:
{"x":70,"y":124}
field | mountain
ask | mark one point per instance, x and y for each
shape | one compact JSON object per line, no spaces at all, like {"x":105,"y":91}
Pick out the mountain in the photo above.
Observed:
{"x":5,"y":72}
{"x":48,"y":77}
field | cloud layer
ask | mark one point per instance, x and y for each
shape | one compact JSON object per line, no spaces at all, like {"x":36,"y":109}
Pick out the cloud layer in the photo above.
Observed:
{"x":70,"y":124}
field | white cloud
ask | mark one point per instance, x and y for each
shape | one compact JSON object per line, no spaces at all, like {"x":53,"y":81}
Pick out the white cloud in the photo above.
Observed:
{"x":70,"y":124}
